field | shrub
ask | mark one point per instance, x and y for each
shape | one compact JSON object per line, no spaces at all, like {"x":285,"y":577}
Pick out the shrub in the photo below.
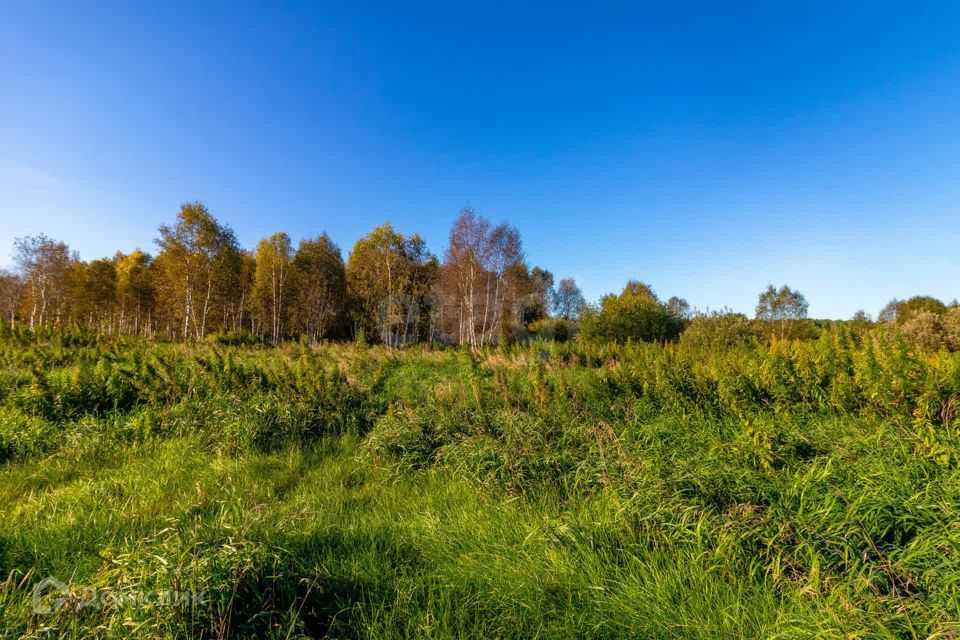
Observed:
{"x":238,"y":337}
{"x":557,"y":330}
{"x":720,"y":330}
{"x":916,"y":304}
{"x":634,"y":315}
{"x":951,"y":324}
{"x":24,"y":436}
{"x":925,"y":330}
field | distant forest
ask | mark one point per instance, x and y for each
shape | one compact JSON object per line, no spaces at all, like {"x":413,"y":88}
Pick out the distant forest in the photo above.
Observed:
{"x":200,"y":283}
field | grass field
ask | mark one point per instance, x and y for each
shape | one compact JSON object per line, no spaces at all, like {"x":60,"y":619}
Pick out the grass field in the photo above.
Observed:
{"x":798,"y":490}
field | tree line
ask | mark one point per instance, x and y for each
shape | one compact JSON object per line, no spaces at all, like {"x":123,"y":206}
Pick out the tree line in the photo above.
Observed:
{"x":200,"y":281}
{"x":391,"y":290}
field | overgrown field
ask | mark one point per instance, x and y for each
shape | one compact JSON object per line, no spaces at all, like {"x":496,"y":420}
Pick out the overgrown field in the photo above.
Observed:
{"x":801,"y":489}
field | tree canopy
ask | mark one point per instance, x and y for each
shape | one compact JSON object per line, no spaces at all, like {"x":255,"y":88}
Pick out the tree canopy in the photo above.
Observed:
{"x":391,"y":290}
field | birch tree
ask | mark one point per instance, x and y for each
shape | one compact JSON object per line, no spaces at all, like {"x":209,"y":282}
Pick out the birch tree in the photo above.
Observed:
{"x":476,"y":276}
{"x":242,"y":308}
{"x":42,"y":264}
{"x":135,"y":292}
{"x":319,"y":281}
{"x":273,"y":257}
{"x":11,"y":295}
{"x":386,"y":279}
{"x":781,"y":306}
{"x":198,"y":264}
{"x":568,"y":300}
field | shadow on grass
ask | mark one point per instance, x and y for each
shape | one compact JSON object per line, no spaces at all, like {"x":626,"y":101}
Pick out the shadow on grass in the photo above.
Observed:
{"x":318,"y":583}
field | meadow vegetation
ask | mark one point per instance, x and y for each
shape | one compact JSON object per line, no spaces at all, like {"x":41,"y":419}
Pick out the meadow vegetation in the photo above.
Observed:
{"x":728,"y":484}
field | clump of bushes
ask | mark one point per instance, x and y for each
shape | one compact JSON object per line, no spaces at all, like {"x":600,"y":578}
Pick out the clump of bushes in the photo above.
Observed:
{"x":559,"y":330}
{"x":514,"y":450}
{"x":720,"y":330}
{"x":235,"y":338}
{"x":931,"y":331}
{"x":23,"y":436}
{"x":924,"y":322}
{"x":133,"y":390}
{"x":636,"y":315}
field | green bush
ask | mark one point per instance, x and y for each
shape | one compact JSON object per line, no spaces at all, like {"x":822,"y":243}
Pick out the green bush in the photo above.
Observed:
{"x":558,"y":330}
{"x":23,"y":436}
{"x":720,"y":331}
{"x":235,"y":338}
{"x":634,"y":315}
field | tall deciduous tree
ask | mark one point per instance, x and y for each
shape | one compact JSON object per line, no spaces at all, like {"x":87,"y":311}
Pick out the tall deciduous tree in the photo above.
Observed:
{"x":244,"y":304}
{"x":320,"y":284}
{"x":781,"y":306}
{"x":679,"y":307}
{"x":922,"y":303}
{"x":388,"y":276}
{"x":477,"y":279}
{"x":568,"y":300}
{"x":541,"y":295}
{"x":889,"y":311}
{"x":95,"y":293}
{"x":11,"y":295}
{"x":900,"y":311}
{"x":273,"y":258}
{"x":198,"y":264}
{"x":135,"y":291}
{"x":43,"y":264}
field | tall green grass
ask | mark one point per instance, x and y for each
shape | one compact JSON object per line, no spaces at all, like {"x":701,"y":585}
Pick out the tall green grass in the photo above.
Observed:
{"x":800,"y":489}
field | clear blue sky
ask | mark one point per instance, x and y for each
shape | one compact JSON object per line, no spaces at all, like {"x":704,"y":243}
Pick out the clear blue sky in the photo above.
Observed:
{"x":707,"y":148}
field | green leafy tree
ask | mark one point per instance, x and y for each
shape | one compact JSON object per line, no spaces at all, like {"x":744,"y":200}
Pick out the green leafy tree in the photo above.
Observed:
{"x":860,"y":324}
{"x":388,"y":275}
{"x":920,"y":303}
{"x":899,"y":311}
{"x":568,"y":300}
{"x":135,"y":291}
{"x":43,"y":264}
{"x":198,"y":270}
{"x":781,"y":306}
{"x":541,"y":294}
{"x":320,"y":286}
{"x":634,"y":315}
{"x":273,"y":257}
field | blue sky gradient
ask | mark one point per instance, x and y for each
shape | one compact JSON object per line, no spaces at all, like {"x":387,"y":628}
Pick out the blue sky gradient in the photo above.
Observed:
{"x":706,"y":149}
